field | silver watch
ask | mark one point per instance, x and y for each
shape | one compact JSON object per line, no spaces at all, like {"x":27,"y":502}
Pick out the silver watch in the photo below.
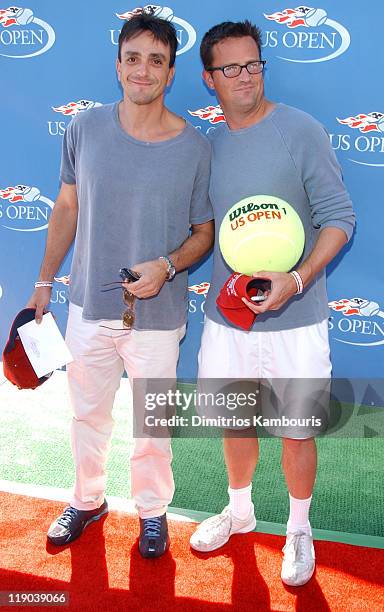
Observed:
{"x":171,"y":270}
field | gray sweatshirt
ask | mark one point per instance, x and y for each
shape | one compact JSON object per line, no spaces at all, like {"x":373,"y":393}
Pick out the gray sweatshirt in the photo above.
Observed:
{"x":287,"y":155}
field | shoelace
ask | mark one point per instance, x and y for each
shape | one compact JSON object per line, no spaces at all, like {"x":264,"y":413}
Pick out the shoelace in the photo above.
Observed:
{"x":297,"y":546}
{"x":68,"y":514}
{"x":152,"y":527}
{"x":220,"y":522}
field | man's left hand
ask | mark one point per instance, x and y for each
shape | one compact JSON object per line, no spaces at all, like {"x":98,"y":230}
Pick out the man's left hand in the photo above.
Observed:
{"x":153,"y":276}
{"x":282,"y":289}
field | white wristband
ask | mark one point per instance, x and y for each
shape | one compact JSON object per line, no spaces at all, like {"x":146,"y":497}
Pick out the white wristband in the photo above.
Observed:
{"x":298,"y":281}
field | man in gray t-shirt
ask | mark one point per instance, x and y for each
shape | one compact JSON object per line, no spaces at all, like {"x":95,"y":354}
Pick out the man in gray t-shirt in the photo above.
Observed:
{"x":134,"y":194}
{"x":275,"y":151}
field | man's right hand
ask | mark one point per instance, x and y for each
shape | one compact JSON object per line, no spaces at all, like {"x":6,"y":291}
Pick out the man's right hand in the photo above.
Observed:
{"x":61,"y":232}
{"x":40,"y":300}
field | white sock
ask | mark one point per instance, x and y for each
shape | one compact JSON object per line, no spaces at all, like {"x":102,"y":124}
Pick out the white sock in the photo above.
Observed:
{"x":240,"y":502}
{"x":298,"y":515}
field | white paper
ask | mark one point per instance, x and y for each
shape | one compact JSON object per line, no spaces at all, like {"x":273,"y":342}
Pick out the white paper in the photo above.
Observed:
{"x":44,"y":345}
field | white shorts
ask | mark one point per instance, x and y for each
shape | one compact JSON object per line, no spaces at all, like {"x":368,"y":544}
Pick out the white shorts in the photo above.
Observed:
{"x":295,"y":362}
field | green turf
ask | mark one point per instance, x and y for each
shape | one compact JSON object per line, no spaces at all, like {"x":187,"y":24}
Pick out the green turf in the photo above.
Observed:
{"x":348,"y":496}
{"x":35,"y":449}
{"x":35,"y":438}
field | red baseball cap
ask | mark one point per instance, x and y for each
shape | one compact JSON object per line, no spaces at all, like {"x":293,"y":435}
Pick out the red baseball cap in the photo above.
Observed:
{"x":17,"y":367}
{"x":229,"y":300}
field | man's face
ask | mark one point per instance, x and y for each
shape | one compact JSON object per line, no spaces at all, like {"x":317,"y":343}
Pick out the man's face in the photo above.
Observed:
{"x":144,"y":71}
{"x":244,"y":92}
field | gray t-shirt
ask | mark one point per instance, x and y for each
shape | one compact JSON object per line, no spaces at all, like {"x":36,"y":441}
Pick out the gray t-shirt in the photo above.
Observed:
{"x":287,"y":155}
{"x":136,"y":202}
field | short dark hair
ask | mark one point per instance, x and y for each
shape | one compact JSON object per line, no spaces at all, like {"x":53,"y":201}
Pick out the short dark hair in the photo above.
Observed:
{"x":227,"y":29}
{"x":161,"y":30}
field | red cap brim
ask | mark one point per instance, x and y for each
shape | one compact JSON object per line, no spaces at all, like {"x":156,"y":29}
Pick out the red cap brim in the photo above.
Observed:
{"x":241,"y":317}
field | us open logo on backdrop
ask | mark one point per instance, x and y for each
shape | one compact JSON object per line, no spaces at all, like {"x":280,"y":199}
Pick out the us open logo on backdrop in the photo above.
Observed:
{"x":213,"y":115}
{"x":357,"y":321}
{"x":196,"y":302}
{"x":59,"y":296}
{"x":362,"y":137}
{"x":57,"y":128}
{"x":23,"y":35}
{"x":306,"y":35}
{"x":24,"y":209}
{"x":186,"y":34}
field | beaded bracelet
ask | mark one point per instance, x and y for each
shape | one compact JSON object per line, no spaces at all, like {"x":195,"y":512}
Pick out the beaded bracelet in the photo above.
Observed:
{"x":299,"y":282}
{"x":43,"y":284}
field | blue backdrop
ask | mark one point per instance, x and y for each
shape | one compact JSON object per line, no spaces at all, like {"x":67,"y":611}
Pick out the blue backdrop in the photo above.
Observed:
{"x":59,"y":59}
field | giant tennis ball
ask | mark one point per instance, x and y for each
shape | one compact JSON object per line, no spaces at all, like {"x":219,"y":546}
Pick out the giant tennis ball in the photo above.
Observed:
{"x":261,"y":233}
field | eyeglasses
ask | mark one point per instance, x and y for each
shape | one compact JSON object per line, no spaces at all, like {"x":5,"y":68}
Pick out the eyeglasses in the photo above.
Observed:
{"x":234,"y":70}
{"x":128,"y":316}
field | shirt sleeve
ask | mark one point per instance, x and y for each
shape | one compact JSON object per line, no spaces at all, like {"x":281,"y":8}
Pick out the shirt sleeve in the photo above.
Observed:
{"x":68,"y":156}
{"x":322,"y":179}
{"x":201,"y":208}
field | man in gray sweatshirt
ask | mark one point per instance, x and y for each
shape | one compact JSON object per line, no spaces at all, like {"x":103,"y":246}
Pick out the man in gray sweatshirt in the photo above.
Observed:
{"x":270,"y":149}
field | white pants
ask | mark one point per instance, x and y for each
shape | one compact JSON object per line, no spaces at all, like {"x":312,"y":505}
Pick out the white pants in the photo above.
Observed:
{"x":100,"y":357}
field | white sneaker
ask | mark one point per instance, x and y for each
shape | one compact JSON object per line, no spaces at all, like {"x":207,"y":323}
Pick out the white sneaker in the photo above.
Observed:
{"x":216,"y":530}
{"x":299,"y":559}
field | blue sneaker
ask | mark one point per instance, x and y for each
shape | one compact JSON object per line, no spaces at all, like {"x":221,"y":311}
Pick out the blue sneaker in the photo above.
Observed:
{"x":154,"y":539}
{"x":72,"y":522}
